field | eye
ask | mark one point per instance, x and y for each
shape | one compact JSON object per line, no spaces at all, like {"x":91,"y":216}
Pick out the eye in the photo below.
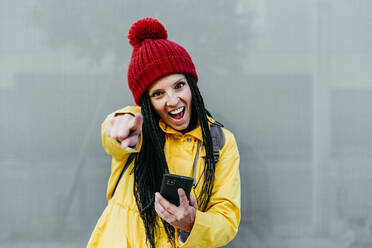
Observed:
{"x":180,"y":85}
{"x":156,"y":94}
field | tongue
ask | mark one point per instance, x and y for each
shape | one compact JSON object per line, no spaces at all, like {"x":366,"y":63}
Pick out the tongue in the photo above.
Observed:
{"x":178,"y":116}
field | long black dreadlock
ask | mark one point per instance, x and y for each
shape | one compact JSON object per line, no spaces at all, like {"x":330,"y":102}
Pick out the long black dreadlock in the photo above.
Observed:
{"x":150,"y":164}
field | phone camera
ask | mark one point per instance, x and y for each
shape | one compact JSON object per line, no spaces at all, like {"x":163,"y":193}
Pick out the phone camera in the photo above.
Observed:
{"x":171,"y":182}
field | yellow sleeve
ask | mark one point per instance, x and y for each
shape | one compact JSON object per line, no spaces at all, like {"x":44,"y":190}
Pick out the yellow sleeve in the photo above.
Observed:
{"x":112,"y":147}
{"x":219,"y":224}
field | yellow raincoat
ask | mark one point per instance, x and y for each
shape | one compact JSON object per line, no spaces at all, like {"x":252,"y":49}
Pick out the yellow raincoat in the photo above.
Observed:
{"x":120,"y":224}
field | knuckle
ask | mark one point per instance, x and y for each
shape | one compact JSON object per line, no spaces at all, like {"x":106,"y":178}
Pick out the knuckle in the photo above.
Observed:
{"x":121,"y":117}
{"x":113,"y":121}
{"x":110,"y":120}
{"x":128,"y":118}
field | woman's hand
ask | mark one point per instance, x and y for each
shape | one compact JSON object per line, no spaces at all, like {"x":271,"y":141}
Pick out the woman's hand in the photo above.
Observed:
{"x":125,"y":129}
{"x":181,"y":217}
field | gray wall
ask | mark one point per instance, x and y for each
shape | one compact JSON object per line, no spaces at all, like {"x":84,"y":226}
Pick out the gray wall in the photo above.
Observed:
{"x":290,"y":78}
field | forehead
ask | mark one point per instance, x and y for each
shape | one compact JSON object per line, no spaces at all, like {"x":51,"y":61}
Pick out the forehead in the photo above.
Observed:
{"x":166,"y":82}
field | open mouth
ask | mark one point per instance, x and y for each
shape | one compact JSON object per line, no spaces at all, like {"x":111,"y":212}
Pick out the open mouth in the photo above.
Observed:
{"x":178,"y":113}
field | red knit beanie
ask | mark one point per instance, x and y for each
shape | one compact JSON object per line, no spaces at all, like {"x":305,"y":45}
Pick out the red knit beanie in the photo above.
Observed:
{"x":154,"y":57}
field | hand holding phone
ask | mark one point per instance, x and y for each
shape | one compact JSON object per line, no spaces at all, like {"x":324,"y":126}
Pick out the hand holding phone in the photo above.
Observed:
{"x":170,"y":185}
{"x":182,"y":216}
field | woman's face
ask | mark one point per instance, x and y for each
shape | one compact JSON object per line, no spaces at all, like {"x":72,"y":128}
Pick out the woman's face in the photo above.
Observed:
{"x":171,"y":98}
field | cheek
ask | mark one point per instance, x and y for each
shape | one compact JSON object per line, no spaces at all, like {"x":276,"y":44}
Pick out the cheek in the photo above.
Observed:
{"x":186,"y":96}
{"x":158,"y":107}
{"x":189,"y":98}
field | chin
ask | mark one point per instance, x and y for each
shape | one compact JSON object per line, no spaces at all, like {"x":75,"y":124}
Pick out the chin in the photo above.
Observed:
{"x":180,"y":127}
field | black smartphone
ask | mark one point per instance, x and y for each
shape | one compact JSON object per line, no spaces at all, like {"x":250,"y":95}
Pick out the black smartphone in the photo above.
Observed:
{"x":170,"y":185}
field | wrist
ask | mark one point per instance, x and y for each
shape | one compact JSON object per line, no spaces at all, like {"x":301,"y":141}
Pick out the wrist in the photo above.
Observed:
{"x":117,"y":114}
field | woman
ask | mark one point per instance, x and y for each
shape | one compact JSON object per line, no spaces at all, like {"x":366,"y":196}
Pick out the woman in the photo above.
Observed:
{"x":165,"y":134}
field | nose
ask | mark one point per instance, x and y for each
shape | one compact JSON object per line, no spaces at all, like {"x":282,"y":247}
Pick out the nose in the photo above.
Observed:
{"x":172,"y":99}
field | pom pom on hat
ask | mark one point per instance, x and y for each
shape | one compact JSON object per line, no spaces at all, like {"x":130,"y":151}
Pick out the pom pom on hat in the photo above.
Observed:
{"x":147,"y":28}
{"x":154,"y":56}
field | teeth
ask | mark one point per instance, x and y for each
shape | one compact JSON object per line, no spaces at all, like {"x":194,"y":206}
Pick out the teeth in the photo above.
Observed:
{"x":177,"y":111}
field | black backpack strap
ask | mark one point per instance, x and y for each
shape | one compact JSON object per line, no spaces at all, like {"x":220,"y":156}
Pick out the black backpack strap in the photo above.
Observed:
{"x":129,"y":160}
{"x":218,"y":139}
